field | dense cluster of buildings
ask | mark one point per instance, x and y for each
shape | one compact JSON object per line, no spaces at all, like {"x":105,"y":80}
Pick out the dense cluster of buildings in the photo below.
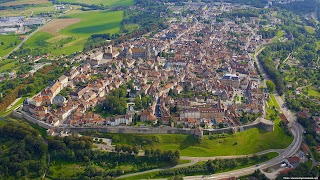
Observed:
{"x":208,"y":60}
{"x":19,"y":24}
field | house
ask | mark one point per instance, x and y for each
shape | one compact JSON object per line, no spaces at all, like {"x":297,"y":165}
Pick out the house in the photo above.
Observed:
{"x":147,"y":115}
{"x":284,"y":119}
{"x":120,"y":119}
{"x":59,"y":100}
{"x":202,"y":112}
{"x":63,"y":80}
{"x":230,"y":80}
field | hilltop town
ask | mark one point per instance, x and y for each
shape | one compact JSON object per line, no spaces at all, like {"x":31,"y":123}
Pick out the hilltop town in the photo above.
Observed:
{"x":196,"y":73}
{"x":145,"y":89}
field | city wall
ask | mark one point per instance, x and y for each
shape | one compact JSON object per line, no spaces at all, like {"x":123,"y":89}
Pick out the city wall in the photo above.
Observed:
{"x":142,"y":130}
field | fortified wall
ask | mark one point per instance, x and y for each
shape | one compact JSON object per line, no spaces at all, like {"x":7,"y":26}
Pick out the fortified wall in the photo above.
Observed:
{"x":261,"y":123}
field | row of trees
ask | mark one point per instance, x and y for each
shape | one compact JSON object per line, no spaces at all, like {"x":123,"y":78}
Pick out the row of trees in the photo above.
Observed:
{"x":163,"y":156}
{"x":126,"y":149}
{"x":270,"y":68}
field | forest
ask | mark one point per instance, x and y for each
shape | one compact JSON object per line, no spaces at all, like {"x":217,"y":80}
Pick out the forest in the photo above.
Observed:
{"x":25,"y":154}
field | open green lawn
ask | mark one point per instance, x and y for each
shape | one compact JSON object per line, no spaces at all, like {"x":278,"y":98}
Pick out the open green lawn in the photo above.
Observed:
{"x":40,"y":43}
{"x":7,"y":65}
{"x":310,"y":29}
{"x":2,"y":123}
{"x":273,"y":101}
{"x":279,"y":34}
{"x":184,"y":161}
{"x":312,"y":92}
{"x":247,"y":142}
{"x":7,"y":43}
{"x":73,"y":37}
{"x":103,"y":2}
{"x":64,"y":170}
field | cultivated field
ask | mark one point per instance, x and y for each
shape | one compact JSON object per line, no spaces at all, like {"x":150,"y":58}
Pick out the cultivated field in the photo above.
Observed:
{"x":7,"y":43}
{"x":94,"y":23}
{"x":57,"y":24}
{"x":69,"y":33}
{"x":103,"y":2}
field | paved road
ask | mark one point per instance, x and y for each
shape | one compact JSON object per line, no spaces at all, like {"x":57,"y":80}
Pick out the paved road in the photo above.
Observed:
{"x":194,"y":160}
{"x":27,"y":37}
{"x":22,"y":42}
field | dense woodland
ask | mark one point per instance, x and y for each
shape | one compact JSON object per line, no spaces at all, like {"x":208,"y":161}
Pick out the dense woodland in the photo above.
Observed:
{"x":25,"y":154}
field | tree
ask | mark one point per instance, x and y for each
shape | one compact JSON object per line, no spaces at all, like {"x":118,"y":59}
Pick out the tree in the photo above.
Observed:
{"x":135,"y":150}
{"x":270,"y":86}
{"x":118,"y":148}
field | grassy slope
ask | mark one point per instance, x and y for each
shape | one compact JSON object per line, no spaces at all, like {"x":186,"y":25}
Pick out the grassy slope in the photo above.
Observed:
{"x":248,"y":142}
{"x":7,"y":40}
{"x":65,"y":170}
{"x":7,"y":65}
{"x":274,"y":101}
{"x":312,"y":92}
{"x":103,"y":2}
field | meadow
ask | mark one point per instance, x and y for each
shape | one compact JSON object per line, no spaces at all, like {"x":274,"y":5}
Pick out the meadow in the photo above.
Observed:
{"x":69,"y":33}
{"x":310,"y":29}
{"x":103,"y":2}
{"x":247,"y":142}
{"x":8,"y":65}
{"x":7,"y":43}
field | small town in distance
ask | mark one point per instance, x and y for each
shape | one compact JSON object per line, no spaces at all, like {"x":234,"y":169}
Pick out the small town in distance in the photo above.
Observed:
{"x":168,"y":89}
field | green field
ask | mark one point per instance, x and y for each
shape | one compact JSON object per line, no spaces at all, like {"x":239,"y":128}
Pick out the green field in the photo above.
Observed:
{"x":103,"y":2}
{"x":314,"y":93}
{"x":94,"y":23}
{"x":7,"y":43}
{"x":246,"y":142}
{"x":7,"y":65}
{"x":310,"y":29}
{"x":273,"y":101}
{"x":40,"y":43}
{"x":73,"y":37}
{"x":63,"y":170}
{"x":279,"y":34}
{"x":2,"y":123}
